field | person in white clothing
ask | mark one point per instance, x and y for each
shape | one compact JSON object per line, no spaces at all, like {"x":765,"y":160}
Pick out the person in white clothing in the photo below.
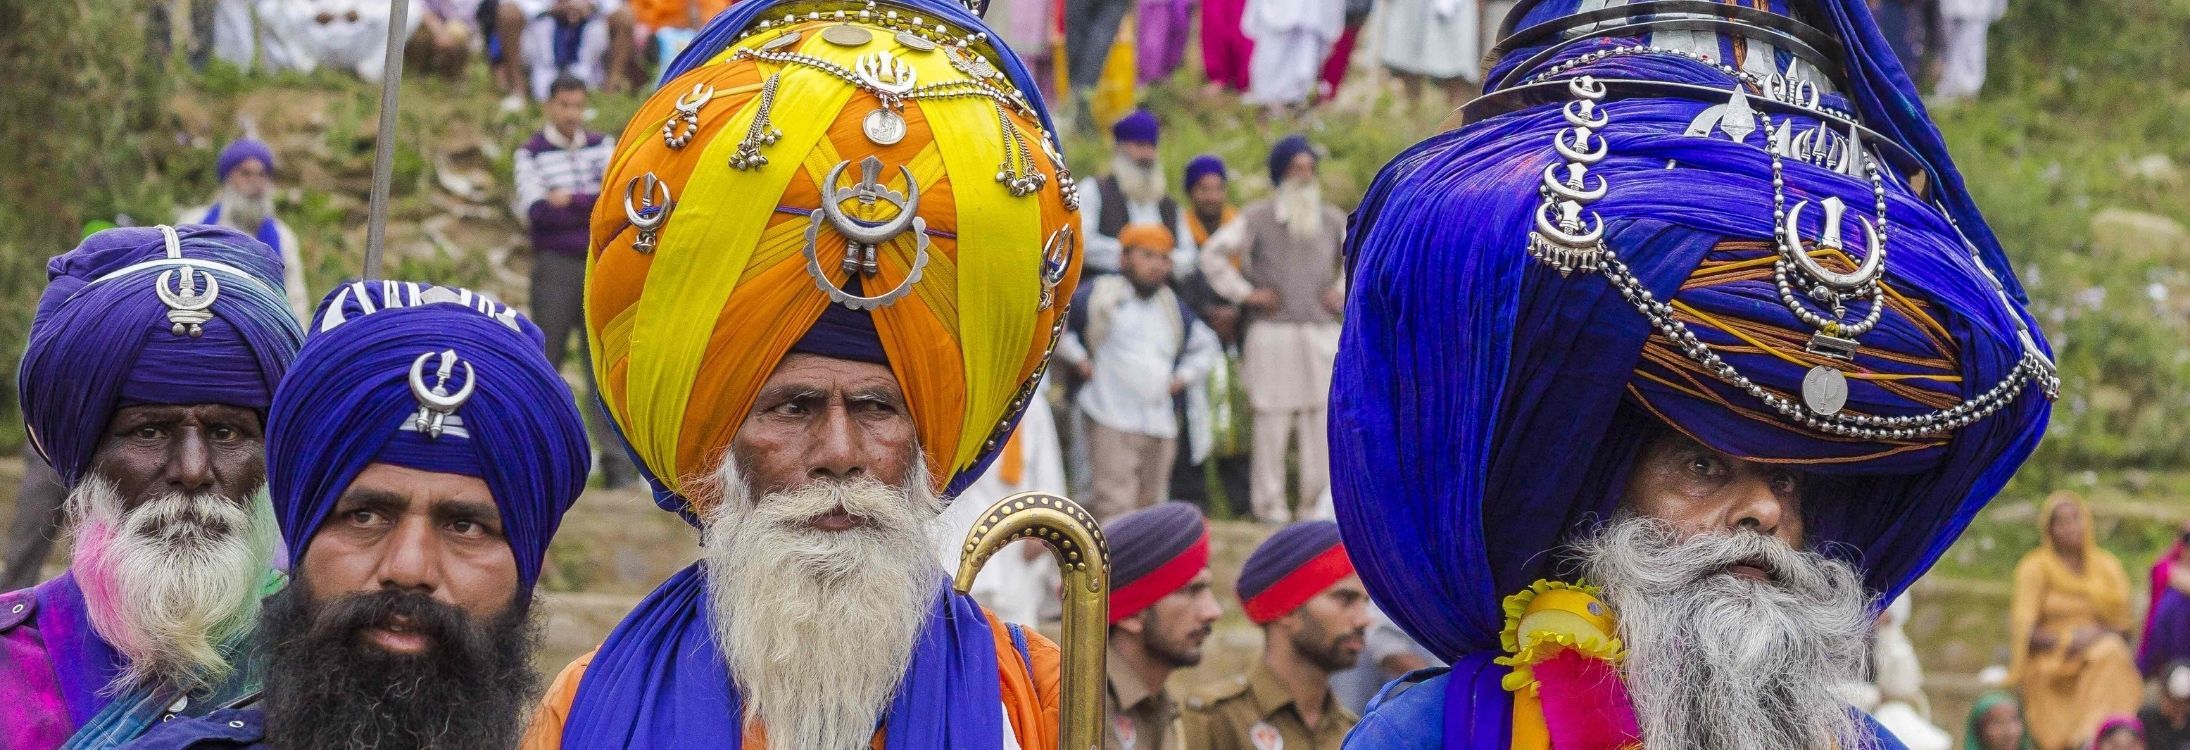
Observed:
{"x":1138,"y":348}
{"x":1291,"y":39}
{"x":1020,"y":583}
{"x":1962,"y":61}
{"x":1895,"y":693}
{"x":246,"y":204}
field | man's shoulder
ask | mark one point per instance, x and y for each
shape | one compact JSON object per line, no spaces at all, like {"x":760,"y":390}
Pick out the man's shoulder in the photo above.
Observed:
{"x":538,"y":142}
{"x":226,"y":729}
{"x":1212,"y":697}
{"x":16,"y":608}
{"x":1407,"y":714}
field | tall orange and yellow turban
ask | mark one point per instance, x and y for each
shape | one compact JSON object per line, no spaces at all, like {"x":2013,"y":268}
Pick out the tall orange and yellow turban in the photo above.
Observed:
{"x":735,"y":193}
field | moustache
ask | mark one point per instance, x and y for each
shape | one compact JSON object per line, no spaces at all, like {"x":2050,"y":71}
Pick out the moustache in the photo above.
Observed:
{"x":448,"y":631}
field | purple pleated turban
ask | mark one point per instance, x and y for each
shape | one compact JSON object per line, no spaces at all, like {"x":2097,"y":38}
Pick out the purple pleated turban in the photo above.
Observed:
{"x":240,"y":151}
{"x":428,"y":378}
{"x":137,"y":316}
{"x":1138,"y":127}
{"x":1203,"y":166}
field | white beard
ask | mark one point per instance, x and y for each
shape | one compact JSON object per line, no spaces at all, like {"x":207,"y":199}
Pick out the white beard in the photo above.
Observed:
{"x":1140,"y":183}
{"x":1720,"y":662}
{"x":167,"y":582}
{"x":818,"y":626}
{"x":1299,"y":206}
{"x":243,"y":213}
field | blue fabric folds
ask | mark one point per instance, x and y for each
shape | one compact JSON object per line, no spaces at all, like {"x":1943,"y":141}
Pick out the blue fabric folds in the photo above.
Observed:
{"x":660,"y":680}
{"x":1485,"y":409}
{"x":103,"y":338}
{"x":349,"y":403}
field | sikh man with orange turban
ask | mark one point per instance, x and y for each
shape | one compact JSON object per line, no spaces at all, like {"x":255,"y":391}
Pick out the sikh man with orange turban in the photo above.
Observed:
{"x":835,"y":250}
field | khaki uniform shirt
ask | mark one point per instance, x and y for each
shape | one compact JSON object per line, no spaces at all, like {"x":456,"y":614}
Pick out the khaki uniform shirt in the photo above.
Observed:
{"x":1136,"y":718}
{"x":1254,"y":712}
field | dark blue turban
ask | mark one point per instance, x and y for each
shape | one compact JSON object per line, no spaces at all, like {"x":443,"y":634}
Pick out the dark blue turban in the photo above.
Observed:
{"x":1203,"y":166}
{"x":1485,"y":405}
{"x":1283,"y":153}
{"x":240,"y":151}
{"x":1138,"y":126}
{"x":351,"y":401}
{"x":105,"y":336}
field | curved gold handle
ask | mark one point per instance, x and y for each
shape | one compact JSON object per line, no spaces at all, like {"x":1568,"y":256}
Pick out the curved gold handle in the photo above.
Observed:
{"x":1083,"y":556}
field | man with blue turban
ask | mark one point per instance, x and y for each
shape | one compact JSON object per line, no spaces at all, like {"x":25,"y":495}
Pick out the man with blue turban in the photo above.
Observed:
{"x":245,"y":203}
{"x":1663,"y":371}
{"x":420,"y":454}
{"x":152,"y":359}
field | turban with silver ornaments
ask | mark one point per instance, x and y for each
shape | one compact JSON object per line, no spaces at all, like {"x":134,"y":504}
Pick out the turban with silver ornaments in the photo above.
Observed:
{"x":163,"y":315}
{"x":428,"y":378}
{"x":1733,"y":220}
{"x":892,"y":160}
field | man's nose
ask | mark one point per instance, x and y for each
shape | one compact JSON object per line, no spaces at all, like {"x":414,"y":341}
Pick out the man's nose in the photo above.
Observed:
{"x":408,"y":560}
{"x":836,"y":452}
{"x":189,"y":469}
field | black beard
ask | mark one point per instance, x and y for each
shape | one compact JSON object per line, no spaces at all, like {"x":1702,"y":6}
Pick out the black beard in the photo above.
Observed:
{"x":328,"y":688}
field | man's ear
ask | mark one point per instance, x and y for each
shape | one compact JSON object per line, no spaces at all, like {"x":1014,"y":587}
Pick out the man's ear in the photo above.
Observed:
{"x":1132,"y":626}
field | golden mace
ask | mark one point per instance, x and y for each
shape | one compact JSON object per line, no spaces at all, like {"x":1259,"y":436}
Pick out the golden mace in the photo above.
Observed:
{"x":1074,"y":538}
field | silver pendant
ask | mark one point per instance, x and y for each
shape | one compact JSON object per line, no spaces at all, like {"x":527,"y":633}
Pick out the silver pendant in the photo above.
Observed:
{"x":915,"y":42}
{"x":436,"y":405}
{"x":846,"y":35}
{"x":685,"y":121}
{"x":788,"y":39}
{"x":649,"y":214}
{"x":1866,"y":272}
{"x":1824,"y":390}
{"x":883,"y":127}
{"x":1056,"y":262}
{"x":885,"y":74}
{"x":861,"y":238}
{"x":187,"y":307}
{"x":971,"y":63}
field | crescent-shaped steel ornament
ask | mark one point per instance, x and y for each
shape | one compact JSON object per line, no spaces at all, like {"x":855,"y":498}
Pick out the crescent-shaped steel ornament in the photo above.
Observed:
{"x":1579,"y":151}
{"x":1552,"y":232}
{"x":1865,"y":273}
{"x":433,"y":398}
{"x":856,"y":230}
{"x":1559,"y":187}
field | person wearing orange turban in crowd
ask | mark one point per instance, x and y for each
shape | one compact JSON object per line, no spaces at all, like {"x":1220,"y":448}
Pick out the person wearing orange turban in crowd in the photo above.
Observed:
{"x":834,"y":251}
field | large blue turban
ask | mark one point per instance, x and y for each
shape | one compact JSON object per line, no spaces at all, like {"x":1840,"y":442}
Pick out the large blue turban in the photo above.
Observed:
{"x":1486,"y":405}
{"x":369,"y":373}
{"x":124,"y":321}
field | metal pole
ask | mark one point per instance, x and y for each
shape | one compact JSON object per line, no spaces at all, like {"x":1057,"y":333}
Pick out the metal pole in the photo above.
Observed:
{"x":391,"y":83}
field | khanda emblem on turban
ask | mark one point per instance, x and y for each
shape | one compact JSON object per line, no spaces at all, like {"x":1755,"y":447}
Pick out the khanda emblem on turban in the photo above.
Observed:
{"x":650,"y":214}
{"x":188,"y":308}
{"x":1056,"y":260}
{"x":436,"y":405}
{"x":863,"y":237}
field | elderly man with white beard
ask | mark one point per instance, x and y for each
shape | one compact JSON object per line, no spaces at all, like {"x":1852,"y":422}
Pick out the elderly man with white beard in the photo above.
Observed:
{"x":1642,"y":408}
{"x":810,"y":351}
{"x":1280,"y":260}
{"x":246,"y":204}
{"x":152,"y":358}
{"x":1136,"y":191}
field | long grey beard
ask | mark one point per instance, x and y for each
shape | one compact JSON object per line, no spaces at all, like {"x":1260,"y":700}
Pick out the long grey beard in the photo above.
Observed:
{"x":818,"y":626}
{"x":167,"y":582}
{"x":244,"y":213}
{"x":1141,"y":183}
{"x":1299,"y":206}
{"x":1720,"y":662}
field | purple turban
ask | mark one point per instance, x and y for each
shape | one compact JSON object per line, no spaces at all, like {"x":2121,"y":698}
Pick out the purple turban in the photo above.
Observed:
{"x":1281,"y":155}
{"x":1203,"y":166}
{"x":1153,"y":552}
{"x":241,"y":150}
{"x":1138,"y":127}
{"x":189,"y":315}
{"x":381,"y":352}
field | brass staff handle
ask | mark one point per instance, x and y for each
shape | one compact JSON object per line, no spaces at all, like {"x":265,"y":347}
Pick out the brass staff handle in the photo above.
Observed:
{"x":1077,"y":542}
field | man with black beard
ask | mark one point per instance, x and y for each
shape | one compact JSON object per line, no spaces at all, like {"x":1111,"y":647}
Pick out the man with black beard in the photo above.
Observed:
{"x":1161,"y":611}
{"x":421,"y":453}
{"x":245,"y":168}
{"x":1300,"y":587}
{"x":1641,"y":410}
{"x":152,"y":359}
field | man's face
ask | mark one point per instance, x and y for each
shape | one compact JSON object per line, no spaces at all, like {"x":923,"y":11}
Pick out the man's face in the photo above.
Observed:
{"x":1699,"y":490}
{"x":1140,"y":152}
{"x":1331,"y":629}
{"x":1173,"y":629}
{"x":403,"y":530}
{"x":2001,"y":726}
{"x":1301,"y":169}
{"x":2066,"y":528}
{"x":1208,"y":195}
{"x":155,"y":451}
{"x":251,"y":179}
{"x":1148,"y":268}
{"x":820,"y":418}
{"x":566,"y":110}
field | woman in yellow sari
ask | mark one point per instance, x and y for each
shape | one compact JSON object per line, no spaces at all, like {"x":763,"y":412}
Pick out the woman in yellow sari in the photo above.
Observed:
{"x":2068,"y":627}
